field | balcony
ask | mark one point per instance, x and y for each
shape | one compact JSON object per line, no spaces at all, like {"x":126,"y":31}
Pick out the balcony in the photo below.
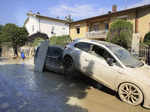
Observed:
{"x":102,"y":34}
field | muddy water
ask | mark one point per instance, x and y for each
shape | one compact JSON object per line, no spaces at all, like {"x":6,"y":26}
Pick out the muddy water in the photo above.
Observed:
{"x":23,"y":90}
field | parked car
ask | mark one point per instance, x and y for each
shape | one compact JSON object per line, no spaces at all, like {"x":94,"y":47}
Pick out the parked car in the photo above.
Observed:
{"x":112,"y":66}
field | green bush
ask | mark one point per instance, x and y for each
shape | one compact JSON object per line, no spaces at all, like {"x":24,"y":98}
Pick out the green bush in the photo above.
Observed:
{"x":37,"y":41}
{"x":120,"y":33}
{"x":147,"y":39}
{"x":60,"y":40}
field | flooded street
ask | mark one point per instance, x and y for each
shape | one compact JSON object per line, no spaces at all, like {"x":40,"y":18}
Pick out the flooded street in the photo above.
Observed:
{"x":23,"y":90}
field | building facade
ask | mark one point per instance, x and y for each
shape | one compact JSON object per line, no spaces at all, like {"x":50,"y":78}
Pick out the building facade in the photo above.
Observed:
{"x":97,"y":27}
{"x":43,"y":24}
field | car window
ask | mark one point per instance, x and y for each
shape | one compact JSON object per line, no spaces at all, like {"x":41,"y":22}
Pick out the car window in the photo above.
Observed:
{"x":83,"y":46}
{"x":102,"y":53}
{"x":54,"y":51}
{"x":125,"y":57}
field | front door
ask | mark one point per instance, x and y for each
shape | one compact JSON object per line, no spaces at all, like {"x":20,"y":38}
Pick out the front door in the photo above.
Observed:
{"x":80,"y":52}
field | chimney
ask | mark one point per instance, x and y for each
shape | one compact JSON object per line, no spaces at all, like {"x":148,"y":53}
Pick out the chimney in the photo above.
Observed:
{"x":114,"y":8}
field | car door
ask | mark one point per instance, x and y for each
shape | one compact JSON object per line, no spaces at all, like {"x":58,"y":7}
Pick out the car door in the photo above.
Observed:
{"x":98,"y":68}
{"x":54,"y":59}
{"x":80,"y":53}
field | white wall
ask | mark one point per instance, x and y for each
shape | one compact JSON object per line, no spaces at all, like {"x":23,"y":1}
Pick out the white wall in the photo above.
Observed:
{"x":32,"y":25}
{"x":46,"y":26}
{"x":59,"y":28}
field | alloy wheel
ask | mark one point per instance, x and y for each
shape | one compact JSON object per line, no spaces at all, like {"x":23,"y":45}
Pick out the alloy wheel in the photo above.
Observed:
{"x":130,"y":94}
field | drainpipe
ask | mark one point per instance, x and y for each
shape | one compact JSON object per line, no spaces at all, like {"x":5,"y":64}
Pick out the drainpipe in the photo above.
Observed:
{"x":87,"y":26}
{"x":136,"y":22}
{"x":39,"y":25}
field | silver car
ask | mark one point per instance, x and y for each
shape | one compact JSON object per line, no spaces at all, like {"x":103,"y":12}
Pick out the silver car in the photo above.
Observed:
{"x":112,"y":66}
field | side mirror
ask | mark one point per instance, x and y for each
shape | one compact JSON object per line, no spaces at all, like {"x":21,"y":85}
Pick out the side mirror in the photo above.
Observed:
{"x":110,"y":61}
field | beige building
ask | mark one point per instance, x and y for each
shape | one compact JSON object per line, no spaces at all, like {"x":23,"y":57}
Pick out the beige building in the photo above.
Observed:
{"x":97,"y":27}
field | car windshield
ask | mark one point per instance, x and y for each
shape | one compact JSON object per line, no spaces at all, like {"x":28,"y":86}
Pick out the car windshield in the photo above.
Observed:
{"x":125,"y":57}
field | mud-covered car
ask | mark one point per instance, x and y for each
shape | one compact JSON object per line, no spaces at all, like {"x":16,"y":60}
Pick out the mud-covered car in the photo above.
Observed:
{"x":53,"y":61}
{"x":112,"y":66}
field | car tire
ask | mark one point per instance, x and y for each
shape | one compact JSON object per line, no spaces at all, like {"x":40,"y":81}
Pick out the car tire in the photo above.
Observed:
{"x":68,"y":64}
{"x":130,"y":93}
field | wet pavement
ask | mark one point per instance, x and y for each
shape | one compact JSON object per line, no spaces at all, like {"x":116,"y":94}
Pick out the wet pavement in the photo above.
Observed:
{"x":23,"y":90}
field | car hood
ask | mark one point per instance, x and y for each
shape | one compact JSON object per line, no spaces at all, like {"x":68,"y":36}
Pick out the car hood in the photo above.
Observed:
{"x":142,"y":73}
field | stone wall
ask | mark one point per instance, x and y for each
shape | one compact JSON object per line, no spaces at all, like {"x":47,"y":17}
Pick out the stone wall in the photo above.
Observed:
{"x":8,"y":51}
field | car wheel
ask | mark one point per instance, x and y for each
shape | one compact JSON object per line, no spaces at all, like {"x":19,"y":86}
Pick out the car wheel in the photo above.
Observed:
{"x":130,"y":94}
{"x":68,"y":66}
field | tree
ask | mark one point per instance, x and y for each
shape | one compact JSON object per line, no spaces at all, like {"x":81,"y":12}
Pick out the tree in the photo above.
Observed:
{"x":68,"y":18}
{"x":37,"y":41}
{"x":16,"y":36}
{"x":147,"y":39}
{"x":1,"y":32}
{"x":1,"y":26}
{"x":60,"y":40}
{"x":120,"y":33}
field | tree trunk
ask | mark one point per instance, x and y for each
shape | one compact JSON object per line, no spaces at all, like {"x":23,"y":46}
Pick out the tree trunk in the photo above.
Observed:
{"x":15,"y":51}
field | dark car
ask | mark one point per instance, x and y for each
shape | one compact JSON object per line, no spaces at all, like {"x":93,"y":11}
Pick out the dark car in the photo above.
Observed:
{"x":53,"y":60}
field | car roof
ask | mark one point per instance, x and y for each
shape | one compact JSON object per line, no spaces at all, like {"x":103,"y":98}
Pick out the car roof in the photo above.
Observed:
{"x":107,"y":44}
{"x":55,"y":46}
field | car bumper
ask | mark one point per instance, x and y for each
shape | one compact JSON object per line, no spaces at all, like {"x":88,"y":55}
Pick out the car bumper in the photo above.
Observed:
{"x":146,"y":103}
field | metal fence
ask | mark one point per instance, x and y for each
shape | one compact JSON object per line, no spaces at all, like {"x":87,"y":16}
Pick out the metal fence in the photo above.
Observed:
{"x":144,"y":53}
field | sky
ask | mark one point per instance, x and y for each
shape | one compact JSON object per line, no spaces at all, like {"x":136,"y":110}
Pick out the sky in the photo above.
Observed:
{"x":14,"y":11}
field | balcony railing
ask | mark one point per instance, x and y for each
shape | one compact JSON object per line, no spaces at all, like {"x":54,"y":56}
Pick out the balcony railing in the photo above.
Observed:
{"x":97,"y":34}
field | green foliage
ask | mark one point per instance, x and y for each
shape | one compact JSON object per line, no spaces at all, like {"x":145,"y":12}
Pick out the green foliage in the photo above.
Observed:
{"x":16,"y":36}
{"x":1,"y":26}
{"x":60,"y":40}
{"x":69,"y":18}
{"x":37,"y":41}
{"x":120,"y":33}
{"x":1,"y":32}
{"x":147,"y":39}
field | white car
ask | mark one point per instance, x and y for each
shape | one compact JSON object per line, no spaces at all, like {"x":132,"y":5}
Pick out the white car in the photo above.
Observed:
{"x":112,"y":66}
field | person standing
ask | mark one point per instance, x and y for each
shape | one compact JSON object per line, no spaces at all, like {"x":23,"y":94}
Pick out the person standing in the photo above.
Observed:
{"x":22,"y":55}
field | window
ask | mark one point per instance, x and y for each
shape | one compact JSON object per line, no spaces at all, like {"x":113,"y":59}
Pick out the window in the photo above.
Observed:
{"x":125,"y":57}
{"x":83,"y":46}
{"x":94,"y":27}
{"x":100,"y":52}
{"x":106,"y":26}
{"x":78,"y":30}
{"x":54,"y":51}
